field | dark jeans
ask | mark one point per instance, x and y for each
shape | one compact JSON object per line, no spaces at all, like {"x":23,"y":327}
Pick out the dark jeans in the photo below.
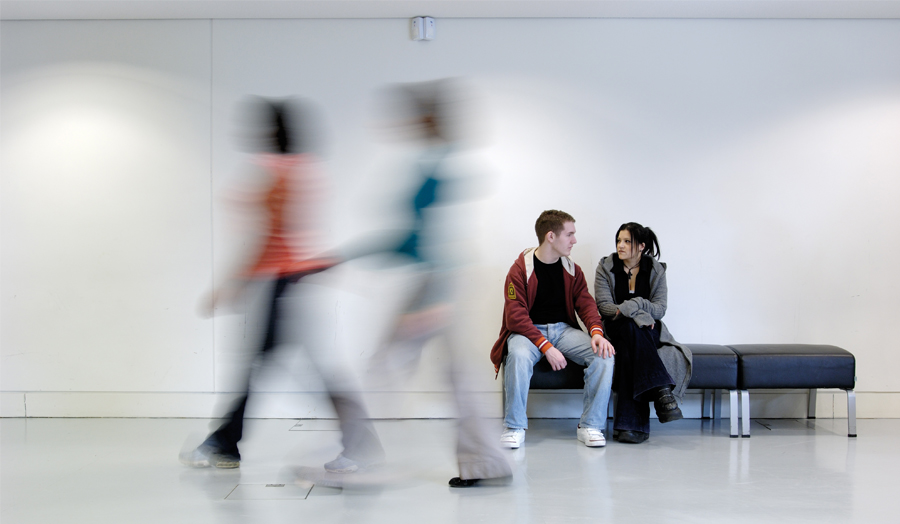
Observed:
{"x":357,"y":434}
{"x":639,"y":373}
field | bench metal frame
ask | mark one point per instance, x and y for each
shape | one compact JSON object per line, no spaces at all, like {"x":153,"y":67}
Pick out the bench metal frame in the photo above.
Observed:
{"x":713,"y":405}
{"x":810,"y":411}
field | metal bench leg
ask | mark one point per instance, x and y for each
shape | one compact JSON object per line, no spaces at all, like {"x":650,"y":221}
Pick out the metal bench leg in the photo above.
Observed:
{"x":716,"y":404}
{"x":811,"y":408}
{"x":733,"y":394}
{"x":703,"y":403}
{"x":745,"y":413}
{"x":851,"y":413}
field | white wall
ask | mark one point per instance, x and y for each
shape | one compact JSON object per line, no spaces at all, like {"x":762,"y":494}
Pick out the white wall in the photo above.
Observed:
{"x":763,"y":153}
{"x":105,"y":206}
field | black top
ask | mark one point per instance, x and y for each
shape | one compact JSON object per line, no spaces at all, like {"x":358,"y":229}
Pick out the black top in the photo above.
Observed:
{"x":550,"y":303}
{"x":641,"y":284}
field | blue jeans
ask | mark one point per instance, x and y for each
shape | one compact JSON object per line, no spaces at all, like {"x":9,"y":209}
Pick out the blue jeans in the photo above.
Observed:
{"x":575,"y":344}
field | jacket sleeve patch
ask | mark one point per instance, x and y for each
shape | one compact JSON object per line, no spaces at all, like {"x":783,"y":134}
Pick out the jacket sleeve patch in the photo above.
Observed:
{"x":511,"y":292}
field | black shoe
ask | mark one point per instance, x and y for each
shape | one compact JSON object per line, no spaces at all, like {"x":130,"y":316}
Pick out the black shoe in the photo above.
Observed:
{"x":666,"y":406}
{"x":630,"y":437}
{"x":457,"y":482}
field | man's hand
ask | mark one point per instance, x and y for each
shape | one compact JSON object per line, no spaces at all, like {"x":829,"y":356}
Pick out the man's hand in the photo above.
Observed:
{"x":555,"y":358}
{"x":601,"y":346}
{"x":424,"y":322}
{"x":227,"y":294}
{"x":207,"y":306}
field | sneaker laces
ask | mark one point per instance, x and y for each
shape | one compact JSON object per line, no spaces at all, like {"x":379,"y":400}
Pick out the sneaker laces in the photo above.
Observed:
{"x":594,"y":434}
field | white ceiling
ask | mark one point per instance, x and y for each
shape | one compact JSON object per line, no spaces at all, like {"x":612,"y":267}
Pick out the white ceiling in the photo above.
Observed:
{"x":192,"y":9}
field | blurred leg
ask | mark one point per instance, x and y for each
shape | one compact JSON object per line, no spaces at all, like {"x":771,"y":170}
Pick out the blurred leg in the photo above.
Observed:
{"x":227,"y":436}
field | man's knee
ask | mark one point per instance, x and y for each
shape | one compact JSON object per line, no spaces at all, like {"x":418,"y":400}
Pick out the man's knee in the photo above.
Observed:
{"x":598,"y":364}
{"x":521,"y":354}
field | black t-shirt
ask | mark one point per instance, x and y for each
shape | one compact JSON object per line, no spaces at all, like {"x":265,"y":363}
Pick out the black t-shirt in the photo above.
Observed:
{"x":550,"y":303}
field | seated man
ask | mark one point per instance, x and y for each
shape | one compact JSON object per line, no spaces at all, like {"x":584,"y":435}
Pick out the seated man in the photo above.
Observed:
{"x":539,"y":320}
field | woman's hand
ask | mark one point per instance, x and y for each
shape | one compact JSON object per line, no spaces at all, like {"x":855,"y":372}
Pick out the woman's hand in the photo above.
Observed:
{"x":207,"y":306}
{"x":227,"y":294}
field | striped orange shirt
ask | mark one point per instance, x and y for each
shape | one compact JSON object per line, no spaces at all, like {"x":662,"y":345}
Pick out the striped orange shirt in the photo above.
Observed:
{"x":291,"y":243}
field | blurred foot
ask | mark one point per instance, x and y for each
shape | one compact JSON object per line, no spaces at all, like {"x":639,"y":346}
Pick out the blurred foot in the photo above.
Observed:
{"x":342,"y":464}
{"x":308,"y":477}
{"x":457,"y":482}
{"x":204,"y":456}
{"x":226,"y":461}
{"x":375,"y":478}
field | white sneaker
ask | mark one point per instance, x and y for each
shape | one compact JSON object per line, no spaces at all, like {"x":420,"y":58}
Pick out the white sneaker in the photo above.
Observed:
{"x":342,"y":465}
{"x":205,"y":456}
{"x":196,"y":458}
{"x":512,"y":438}
{"x":592,"y":437}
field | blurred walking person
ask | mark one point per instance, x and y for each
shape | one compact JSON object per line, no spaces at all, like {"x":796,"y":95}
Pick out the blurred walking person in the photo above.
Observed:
{"x":288,"y":252}
{"x":435,"y":251}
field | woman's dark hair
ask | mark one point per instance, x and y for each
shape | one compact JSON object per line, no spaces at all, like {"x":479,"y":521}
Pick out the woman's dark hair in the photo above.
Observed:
{"x":641,"y":235}
{"x":280,"y":128}
{"x":277,"y":125}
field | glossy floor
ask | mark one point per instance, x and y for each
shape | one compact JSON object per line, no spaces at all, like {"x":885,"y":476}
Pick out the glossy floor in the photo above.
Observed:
{"x":126,"y":471}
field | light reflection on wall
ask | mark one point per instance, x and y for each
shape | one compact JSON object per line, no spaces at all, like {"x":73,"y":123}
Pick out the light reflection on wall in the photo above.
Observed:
{"x":105,"y":227}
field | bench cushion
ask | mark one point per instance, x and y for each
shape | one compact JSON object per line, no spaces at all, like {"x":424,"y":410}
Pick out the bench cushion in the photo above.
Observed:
{"x":570,"y":377}
{"x":778,"y":366}
{"x":713,"y":367}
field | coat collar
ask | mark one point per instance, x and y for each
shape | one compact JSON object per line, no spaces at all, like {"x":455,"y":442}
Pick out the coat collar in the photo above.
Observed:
{"x":607,"y":263}
{"x":528,"y":258}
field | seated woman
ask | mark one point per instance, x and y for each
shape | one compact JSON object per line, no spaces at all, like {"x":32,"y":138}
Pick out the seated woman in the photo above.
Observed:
{"x":631,"y":294}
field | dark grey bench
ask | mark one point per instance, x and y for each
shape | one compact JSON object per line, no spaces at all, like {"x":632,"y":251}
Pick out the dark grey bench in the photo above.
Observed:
{"x":795,"y":366}
{"x":713,"y":368}
{"x":739,"y":368}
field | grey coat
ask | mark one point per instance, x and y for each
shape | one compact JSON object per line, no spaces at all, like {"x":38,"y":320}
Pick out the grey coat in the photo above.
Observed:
{"x":676,"y":357}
